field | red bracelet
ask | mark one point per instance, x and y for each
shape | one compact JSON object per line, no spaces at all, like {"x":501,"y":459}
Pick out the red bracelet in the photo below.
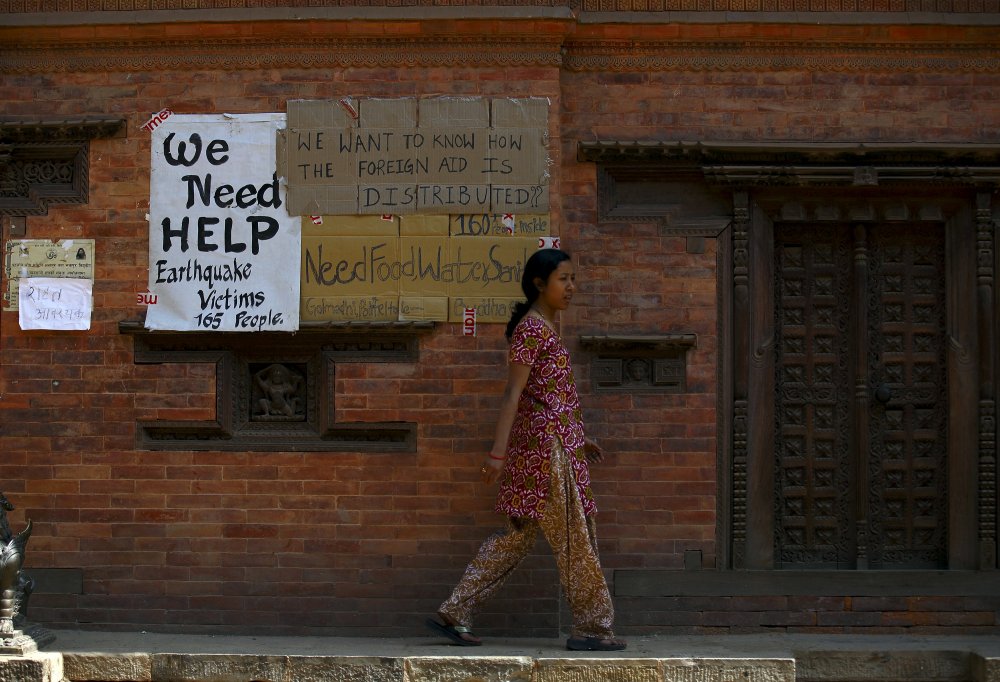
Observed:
{"x":491,"y":456}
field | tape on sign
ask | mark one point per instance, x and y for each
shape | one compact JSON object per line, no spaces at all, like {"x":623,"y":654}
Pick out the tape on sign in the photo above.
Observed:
{"x":469,"y":322}
{"x":158,"y":118}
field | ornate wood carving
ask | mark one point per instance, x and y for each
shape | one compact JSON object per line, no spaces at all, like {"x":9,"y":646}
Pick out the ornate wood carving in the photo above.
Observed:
{"x":861,"y":320}
{"x":985,"y":300}
{"x":643,"y":364}
{"x":741,"y":344}
{"x":882,"y":189}
{"x":275,"y":391}
{"x":860,"y":481}
{"x":46,"y":162}
{"x":812,"y":297}
{"x":907,"y":480}
{"x":760,"y":392}
{"x":807,"y":165}
{"x":678,"y":200}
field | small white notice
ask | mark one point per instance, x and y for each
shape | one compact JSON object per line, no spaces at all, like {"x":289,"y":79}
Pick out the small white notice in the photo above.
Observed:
{"x":55,"y":303}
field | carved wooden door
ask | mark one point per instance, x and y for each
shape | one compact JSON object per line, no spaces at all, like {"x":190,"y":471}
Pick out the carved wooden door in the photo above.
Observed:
{"x":861,"y":397}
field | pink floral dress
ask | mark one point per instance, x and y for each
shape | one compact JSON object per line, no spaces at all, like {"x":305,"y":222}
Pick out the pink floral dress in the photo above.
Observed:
{"x":548,"y":409}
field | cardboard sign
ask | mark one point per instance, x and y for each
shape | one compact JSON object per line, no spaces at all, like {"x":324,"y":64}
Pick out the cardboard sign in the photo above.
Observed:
{"x":496,"y":224}
{"x":410,"y":277}
{"x":221,"y":243}
{"x":404,"y":156}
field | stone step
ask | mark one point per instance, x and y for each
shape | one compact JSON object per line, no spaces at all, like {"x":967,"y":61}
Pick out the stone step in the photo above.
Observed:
{"x":141,"y":657}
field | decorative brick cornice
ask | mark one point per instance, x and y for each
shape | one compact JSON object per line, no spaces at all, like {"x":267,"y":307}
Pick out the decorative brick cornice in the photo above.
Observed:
{"x":240,"y":53}
{"x":537,"y":38}
{"x":741,"y":55}
{"x":798,"y":7}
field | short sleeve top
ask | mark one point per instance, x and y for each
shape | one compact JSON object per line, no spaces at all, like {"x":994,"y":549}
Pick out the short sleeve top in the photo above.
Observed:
{"x":548,"y":411}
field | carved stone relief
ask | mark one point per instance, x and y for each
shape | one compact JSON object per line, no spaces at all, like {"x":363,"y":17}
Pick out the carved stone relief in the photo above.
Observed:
{"x":275,"y":391}
{"x":640,"y":364}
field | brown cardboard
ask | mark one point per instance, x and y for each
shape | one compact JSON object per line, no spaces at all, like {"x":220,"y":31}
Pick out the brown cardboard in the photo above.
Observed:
{"x":528,"y":112}
{"x":496,"y":309}
{"x":532,"y":224}
{"x":321,"y":200}
{"x":516,"y":156}
{"x":423,"y":266}
{"x":499,"y":224}
{"x":323,"y":156}
{"x":454,"y":112}
{"x":423,"y":309}
{"x":335,"y":267}
{"x":456,"y":155}
{"x":306,"y":113}
{"x":349,"y":309}
{"x":520,"y":198}
{"x":353,"y":226}
{"x":450,"y":164}
{"x":415,"y":225}
{"x":388,"y":113}
{"x":488,"y":267}
{"x":452,"y":198}
{"x":398,"y":199}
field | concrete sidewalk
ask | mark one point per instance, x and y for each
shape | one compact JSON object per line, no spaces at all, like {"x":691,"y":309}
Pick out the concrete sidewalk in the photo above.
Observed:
{"x":91,"y":656}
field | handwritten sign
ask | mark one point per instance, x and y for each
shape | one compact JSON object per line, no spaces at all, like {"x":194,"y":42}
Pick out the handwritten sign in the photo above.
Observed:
{"x":221,"y":243}
{"x":23,"y":258}
{"x":391,"y":277}
{"x":494,"y":224}
{"x":55,"y":303}
{"x":403,"y":156}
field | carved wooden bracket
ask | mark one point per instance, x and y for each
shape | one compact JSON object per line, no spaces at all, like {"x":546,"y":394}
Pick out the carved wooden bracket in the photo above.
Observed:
{"x":683,"y":186}
{"x":46,"y":162}
{"x":640,"y":364}
{"x":274,"y":391}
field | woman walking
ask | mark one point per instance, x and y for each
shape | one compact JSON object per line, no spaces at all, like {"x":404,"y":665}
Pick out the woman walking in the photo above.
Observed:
{"x":541,"y":454}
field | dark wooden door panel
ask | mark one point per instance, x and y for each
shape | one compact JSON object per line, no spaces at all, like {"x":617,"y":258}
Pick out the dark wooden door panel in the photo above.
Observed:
{"x":861,"y":397}
{"x":812,"y":406}
{"x":908,"y":418}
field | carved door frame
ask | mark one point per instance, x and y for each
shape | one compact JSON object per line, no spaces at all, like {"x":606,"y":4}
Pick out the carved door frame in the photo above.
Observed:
{"x":970,"y":264}
{"x":732,"y":192}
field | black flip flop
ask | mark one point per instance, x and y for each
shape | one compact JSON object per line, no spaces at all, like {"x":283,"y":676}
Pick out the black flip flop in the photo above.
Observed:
{"x":452,"y":632}
{"x":595,"y":644}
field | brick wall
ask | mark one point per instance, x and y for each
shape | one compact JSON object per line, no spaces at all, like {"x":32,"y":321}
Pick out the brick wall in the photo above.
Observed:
{"x":352,"y":543}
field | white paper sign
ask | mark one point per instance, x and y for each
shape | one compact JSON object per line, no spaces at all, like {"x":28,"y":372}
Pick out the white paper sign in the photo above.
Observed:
{"x":55,"y":303}
{"x":223,"y":252}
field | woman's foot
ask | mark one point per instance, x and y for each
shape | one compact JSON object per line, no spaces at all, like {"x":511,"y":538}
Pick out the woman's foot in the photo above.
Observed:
{"x":459,"y":634}
{"x":595,"y":644}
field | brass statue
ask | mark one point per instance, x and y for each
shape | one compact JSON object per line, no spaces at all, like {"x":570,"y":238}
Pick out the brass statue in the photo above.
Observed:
{"x":15,"y":587}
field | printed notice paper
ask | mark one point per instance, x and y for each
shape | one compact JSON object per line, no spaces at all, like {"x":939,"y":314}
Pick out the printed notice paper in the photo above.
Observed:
{"x":223,"y":251}
{"x":55,"y":303}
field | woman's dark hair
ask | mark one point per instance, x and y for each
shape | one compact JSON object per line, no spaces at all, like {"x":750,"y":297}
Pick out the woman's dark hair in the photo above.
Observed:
{"x":541,"y":264}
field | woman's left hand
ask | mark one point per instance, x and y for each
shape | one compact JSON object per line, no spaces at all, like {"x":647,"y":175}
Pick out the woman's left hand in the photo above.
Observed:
{"x":491,"y":470}
{"x":592,"y":451}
